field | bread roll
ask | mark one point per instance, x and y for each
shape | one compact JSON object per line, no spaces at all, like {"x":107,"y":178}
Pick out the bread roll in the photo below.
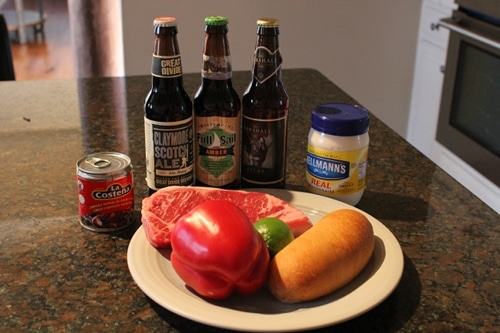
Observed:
{"x":323,"y":259}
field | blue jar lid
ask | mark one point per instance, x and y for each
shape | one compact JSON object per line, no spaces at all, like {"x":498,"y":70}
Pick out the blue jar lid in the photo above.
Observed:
{"x":340,"y":119}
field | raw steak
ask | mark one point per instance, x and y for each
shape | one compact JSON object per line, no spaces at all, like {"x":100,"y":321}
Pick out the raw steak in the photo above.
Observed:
{"x":161,"y":210}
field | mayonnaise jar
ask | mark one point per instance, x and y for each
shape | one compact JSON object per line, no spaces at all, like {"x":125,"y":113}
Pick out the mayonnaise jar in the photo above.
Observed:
{"x":337,"y":151}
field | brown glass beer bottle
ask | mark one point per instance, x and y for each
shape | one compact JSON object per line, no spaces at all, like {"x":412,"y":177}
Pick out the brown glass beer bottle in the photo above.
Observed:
{"x":168,"y":114}
{"x":217,"y":109}
{"x":265,"y":114}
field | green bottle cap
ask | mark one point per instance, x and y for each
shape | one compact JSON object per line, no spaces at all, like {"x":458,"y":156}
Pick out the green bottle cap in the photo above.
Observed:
{"x":216,"y":20}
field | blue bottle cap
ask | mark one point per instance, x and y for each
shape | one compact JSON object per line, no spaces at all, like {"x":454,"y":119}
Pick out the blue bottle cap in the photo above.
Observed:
{"x":340,"y":119}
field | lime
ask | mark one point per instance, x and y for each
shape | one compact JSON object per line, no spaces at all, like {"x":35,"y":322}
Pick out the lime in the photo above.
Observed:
{"x":276,"y":233}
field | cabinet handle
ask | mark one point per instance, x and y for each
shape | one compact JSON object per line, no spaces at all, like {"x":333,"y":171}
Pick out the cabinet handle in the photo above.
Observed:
{"x":434,"y":26}
{"x":442,"y":68}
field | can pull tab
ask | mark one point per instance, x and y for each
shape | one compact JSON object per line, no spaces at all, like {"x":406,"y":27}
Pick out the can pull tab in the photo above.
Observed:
{"x":97,"y":162}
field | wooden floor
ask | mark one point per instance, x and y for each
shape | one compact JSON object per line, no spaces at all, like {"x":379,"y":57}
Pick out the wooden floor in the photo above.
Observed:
{"x":49,"y":56}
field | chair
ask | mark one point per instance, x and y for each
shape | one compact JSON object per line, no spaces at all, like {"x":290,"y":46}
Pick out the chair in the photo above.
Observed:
{"x":6,"y":64}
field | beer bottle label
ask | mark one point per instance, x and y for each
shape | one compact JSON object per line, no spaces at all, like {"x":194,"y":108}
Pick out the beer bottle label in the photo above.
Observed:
{"x":166,"y":66}
{"x":264,"y":149}
{"x":217,"y":68}
{"x":218,"y":155}
{"x":169,"y":153}
{"x":267,"y":63}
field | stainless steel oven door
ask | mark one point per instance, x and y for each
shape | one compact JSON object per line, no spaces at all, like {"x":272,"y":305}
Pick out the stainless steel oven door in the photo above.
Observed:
{"x":469,"y":117}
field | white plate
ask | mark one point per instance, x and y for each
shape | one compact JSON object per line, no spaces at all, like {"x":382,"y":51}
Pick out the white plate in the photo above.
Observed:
{"x":261,"y":312}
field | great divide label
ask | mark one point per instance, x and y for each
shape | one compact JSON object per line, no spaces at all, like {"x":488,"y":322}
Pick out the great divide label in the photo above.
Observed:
{"x":166,"y":66}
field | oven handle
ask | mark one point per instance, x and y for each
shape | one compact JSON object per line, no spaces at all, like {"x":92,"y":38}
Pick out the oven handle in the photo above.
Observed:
{"x":458,"y":29}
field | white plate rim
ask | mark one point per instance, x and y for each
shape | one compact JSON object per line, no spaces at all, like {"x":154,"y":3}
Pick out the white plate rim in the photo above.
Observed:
{"x":155,"y":277}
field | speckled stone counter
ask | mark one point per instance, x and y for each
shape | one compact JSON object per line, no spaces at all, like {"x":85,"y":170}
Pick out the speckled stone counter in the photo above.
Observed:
{"x":56,"y":276}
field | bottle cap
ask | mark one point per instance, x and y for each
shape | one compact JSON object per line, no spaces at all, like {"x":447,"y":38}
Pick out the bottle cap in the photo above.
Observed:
{"x":268,"y":22}
{"x":165,"y":22}
{"x":216,"y":20}
{"x":340,"y":119}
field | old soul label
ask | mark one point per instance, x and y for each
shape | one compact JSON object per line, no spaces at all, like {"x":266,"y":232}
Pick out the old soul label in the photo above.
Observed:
{"x":105,"y":191}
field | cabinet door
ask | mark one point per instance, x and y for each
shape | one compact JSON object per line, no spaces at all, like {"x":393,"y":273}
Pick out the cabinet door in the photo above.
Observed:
{"x":426,"y":97}
{"x":429,"y":19}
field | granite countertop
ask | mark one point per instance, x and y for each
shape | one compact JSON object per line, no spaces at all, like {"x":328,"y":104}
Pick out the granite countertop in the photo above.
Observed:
{"x":57,"y":276}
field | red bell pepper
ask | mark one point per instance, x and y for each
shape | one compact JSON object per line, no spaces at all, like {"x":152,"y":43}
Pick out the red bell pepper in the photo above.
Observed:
{"x":216,"y":250}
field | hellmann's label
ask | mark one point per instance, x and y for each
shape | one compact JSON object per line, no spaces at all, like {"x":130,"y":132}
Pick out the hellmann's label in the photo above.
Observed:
{"x":166,"y":66}
{"x":336,"y":173}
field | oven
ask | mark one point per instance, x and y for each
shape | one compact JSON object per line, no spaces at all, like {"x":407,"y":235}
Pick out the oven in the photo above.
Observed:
{"x":469,"y":116}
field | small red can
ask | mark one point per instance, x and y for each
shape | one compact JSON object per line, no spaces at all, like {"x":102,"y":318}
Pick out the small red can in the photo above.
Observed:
{"x":105,"y":191}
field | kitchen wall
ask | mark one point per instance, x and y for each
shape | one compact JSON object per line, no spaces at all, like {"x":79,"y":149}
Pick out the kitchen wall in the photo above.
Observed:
{"x":367,"y":47}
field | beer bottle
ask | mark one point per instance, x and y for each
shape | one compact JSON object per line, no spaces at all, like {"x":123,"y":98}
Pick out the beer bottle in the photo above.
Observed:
{"x":265,"y":113}
{"x":217,"y":109}
{"x":168,"y":114}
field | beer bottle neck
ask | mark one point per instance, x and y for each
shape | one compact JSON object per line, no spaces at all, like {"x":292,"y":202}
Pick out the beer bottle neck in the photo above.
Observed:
{"x":267,"y":56}
{"x":166,"y":68}
{"x":165,"y":43}
{"x":216,"y":55}
{"x":268,"y":33}
{"x":216,"y":43}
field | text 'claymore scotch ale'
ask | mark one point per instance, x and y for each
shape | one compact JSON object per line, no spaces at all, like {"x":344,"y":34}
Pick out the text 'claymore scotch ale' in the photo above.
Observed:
{"x":265,"y":114}
{"x":168,"y":114}
{"x":217,"y":109}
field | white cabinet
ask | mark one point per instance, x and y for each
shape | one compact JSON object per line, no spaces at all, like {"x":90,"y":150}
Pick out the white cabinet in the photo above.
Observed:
{"x":428,"y":75}
{"x":426,"y":96}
